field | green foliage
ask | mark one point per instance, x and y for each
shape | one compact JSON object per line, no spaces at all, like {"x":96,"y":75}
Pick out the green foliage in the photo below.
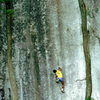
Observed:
{"x":89,"y":98}
{"x":2,"y":1}
{"x":4,"y":10}
{"x":9,"y":11}
{"x":96,"y":10}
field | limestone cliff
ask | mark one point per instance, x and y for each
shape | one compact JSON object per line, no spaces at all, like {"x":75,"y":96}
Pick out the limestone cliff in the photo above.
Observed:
{"x":37,"y":36}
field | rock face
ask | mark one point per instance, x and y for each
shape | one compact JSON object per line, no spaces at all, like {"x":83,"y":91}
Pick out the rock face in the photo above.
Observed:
{"x":47,"y":34}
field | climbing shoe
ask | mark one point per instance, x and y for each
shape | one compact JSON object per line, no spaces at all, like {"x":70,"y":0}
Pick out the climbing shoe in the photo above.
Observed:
{"x":62,"y":90}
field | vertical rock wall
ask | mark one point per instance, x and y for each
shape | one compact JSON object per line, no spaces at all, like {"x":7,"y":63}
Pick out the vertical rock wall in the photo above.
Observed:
{"x":48,"y":34}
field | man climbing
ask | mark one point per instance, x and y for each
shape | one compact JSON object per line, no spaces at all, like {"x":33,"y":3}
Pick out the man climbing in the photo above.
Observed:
{"x":59,"y":77}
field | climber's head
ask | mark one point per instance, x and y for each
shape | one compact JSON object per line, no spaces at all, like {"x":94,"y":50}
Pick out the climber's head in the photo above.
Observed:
{"x":54,"y":71}
{"x":59,"y":68}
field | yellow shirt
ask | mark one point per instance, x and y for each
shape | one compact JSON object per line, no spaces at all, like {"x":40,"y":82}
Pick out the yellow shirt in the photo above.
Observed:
{"x":59,"y":74}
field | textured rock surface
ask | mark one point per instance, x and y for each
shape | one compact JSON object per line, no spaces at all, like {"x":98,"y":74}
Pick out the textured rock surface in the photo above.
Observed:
{"x":48,"y":34}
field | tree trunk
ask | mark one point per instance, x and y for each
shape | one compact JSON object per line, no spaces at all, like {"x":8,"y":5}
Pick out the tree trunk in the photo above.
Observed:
{"x":12,"y":78}
{"x":86,"y":39}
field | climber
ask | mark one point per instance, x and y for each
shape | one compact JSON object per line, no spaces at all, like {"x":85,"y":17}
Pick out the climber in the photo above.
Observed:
{"x":59,"y":77}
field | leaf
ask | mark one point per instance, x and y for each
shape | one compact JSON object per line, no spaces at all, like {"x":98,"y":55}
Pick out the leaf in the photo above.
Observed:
{"x":9,"y":11}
